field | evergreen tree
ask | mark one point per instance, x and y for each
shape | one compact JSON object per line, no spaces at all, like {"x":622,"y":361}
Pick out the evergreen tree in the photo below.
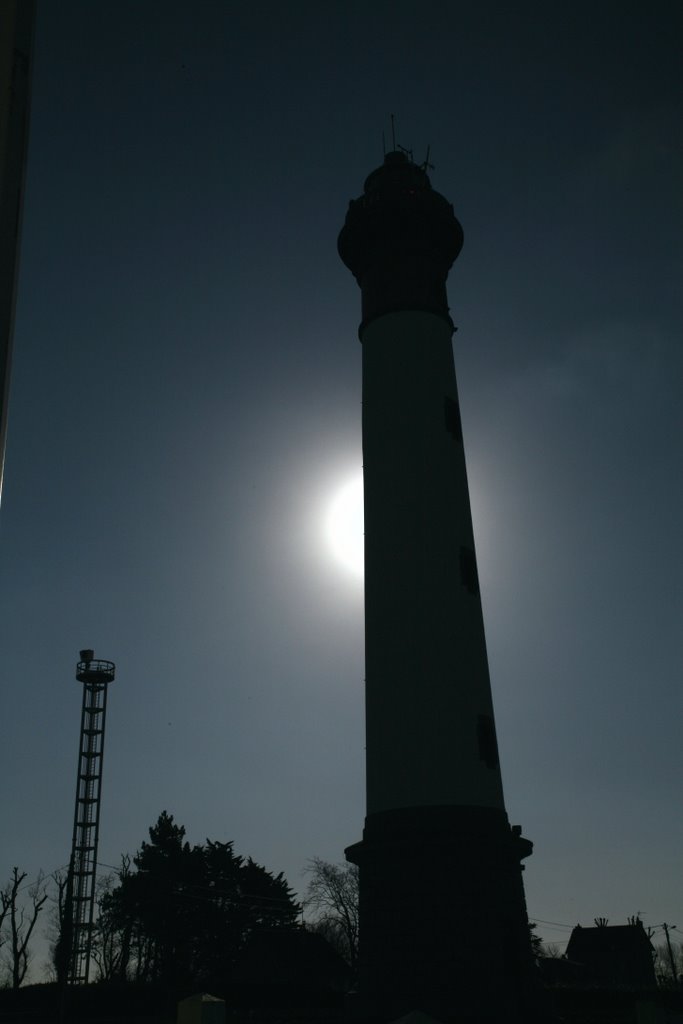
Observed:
{"x":187,"y":912}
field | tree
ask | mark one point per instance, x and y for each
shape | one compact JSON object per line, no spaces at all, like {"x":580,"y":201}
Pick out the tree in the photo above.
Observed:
{"x":56,"y":932}
{"x":669,"y":974}
{"x":23,"y":916}
{"x":109,"y":949}
{"x":536,"y":941}
{"x":185,"y":913}
{"x":333,"y":892}
{"x":4,"y":911}
{"x":551,"y":951}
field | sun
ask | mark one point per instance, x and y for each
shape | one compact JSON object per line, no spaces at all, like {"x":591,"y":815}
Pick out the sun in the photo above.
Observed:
{"x":344,"y":526}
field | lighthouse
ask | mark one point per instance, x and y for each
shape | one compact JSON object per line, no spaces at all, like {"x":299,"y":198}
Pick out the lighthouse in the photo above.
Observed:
{"x":443,"y":922}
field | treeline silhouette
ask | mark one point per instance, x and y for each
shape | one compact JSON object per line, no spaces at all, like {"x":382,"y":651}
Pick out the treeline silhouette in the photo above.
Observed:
{"x":178,"y":914}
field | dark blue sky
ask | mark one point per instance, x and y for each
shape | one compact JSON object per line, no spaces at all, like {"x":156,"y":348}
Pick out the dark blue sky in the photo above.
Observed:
{"x":186,"y":401}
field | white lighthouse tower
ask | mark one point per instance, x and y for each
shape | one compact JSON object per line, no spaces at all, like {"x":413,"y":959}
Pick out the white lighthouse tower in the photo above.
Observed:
{"x":443,"y":925}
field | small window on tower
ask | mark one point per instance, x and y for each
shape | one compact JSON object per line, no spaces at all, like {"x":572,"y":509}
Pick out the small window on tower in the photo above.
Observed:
{"x":488,"y":745}
{"x":452,"y":417}
{"x":468,"y":570}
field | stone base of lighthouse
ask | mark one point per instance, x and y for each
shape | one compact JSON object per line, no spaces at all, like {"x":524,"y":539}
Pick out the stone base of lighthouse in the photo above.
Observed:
{"x":443,"y":923}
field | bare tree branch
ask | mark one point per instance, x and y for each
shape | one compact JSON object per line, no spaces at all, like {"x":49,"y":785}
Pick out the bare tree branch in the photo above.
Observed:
{"x":22,"y":921}
{"x":333,"y":892}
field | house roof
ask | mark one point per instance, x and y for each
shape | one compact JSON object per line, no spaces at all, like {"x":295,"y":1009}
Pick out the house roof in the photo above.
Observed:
{"x":618,"y":938}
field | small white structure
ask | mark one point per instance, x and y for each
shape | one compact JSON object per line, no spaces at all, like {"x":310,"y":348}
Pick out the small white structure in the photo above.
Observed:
{"x":201,"y":1009}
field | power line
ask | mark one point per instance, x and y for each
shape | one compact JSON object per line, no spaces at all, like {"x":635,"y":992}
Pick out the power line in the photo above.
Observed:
{"x":539,"y":920}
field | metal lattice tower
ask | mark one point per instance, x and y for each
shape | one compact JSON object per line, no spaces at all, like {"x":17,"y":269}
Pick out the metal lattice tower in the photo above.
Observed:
{"x":95,"y":676}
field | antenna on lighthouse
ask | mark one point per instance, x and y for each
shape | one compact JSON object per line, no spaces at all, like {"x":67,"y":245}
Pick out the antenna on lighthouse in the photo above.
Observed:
{"x":425,"y":165}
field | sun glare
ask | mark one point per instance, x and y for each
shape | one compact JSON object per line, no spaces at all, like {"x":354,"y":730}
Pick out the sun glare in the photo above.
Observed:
{"x":344,"y":526}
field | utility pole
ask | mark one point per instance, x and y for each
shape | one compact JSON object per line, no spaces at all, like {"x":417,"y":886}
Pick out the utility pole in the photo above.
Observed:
{"x":672,"y":959}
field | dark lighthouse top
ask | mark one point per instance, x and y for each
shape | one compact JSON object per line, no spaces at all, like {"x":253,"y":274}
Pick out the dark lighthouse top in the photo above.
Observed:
{"x":399,"y":240}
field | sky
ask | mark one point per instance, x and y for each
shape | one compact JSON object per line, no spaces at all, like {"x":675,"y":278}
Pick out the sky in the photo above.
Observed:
{"x":185,"y":406}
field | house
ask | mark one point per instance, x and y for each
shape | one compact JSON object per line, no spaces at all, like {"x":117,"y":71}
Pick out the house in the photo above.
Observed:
{"x":614,"y":956}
